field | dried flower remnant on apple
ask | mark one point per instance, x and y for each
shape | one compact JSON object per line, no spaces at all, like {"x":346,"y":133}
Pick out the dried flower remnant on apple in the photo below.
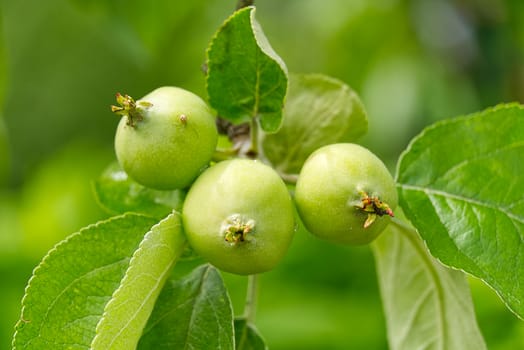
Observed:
{"x":236,"y":228}
{"x":342,"y":191}
{"x":249,"y":220}
{"x":374,"y":207}
{"x":165,"y":139}
{"x":130,"y":109}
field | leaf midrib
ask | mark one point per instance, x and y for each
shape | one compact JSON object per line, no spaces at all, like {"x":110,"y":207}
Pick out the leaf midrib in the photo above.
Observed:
{"x":158,"y":280}
{"x":430,"y":191}
{"x":435,"y":278}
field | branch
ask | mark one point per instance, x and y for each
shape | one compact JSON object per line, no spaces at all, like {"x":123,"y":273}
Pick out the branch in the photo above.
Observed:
{"x":244,"y":3}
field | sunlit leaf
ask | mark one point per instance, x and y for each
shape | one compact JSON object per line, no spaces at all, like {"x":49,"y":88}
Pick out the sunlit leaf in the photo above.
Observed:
{"x":427,"y":305}
{"x":192,"y":313}
{"x":461,"y":184}
{"x":68,"y":292}
{"x":246,"y":79}
{"x":128,"y":310}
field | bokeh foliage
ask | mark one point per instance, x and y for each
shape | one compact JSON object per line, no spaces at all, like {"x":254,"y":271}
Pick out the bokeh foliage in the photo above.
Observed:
{"x":411,"y":61}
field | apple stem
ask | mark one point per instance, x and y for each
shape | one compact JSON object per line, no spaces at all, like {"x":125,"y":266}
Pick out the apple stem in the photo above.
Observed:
{"x":251,"y":298}
{"x":254,"y":129}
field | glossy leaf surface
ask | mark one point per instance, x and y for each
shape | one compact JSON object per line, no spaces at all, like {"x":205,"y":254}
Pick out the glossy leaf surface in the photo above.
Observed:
{"x":460,"y":183}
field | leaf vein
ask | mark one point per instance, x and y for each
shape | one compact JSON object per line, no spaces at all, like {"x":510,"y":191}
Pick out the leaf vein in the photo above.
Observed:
{"x":479,"y":156}
{"x":144,"y":301}
{"x":70,"y":285}
{"x":448,"y":195}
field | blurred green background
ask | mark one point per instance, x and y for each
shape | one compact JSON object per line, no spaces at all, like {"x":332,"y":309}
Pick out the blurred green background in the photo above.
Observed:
{"x":412,"y":62}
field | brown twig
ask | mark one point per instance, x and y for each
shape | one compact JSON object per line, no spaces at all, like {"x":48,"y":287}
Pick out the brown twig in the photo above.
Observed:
{"x":244,"y":3}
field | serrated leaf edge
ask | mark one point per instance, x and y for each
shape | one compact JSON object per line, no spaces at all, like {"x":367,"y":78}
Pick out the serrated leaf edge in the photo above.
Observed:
{"x":458,"y":119}
{"x":49,"y":255}
{"x":215,"y":36}
{"x":256,"y":31}
{"x":400,"y":186}
{"x":126,"y":277}
{"x":263,"y":43}
{"x":491,"y":285}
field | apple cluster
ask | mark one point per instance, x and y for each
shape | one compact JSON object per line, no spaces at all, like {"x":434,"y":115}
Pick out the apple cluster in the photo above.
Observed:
{"x":239,"y":214}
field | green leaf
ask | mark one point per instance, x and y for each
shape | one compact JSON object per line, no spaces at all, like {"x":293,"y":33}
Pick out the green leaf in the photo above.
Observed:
{"x":427,"y":305}
{"x":247,"y":336}
{"x":67,"y":294}
{"x":246,"y":79}
{"x":194,"y":312}
{"x":128,"y":310}
{"x":460,"y":183}
{"x":319,"y":110}
{"x":118,"y":194}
